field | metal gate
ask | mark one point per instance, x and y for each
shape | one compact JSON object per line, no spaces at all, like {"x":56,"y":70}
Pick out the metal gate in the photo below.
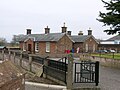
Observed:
{"x":87,"y":72}
{"x":57,"y":69}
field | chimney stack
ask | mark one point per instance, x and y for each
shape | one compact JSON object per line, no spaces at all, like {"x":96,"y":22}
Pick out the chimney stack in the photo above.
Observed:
{"x":64,"y":29}
{"x":69,"y":33}
{"x":80,"y":33}
{"x":47,"y":30}
{"x":28,"y":31}
{"x":89,"y":32}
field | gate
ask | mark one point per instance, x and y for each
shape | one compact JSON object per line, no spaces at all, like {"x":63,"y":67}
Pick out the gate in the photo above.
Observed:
{"x":87,"y":72}
{"x":56,"y":69}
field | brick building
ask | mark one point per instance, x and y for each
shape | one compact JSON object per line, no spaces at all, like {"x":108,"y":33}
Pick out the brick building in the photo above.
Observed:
{"x":11,"y":78}
{"x":57,"y":43}
{"x":112,"y":43}
{"x":86,"y":43}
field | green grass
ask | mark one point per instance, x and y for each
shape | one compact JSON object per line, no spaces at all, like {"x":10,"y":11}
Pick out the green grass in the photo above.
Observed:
{"x":108,"y":55}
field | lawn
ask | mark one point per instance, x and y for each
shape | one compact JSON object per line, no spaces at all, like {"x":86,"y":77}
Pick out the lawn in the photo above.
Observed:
{"x":108,"y":55}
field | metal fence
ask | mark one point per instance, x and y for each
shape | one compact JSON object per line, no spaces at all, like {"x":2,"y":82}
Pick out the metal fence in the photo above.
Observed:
{"x":18,"y":54}
{"x":58,"y":64}
{"x":56,"y":69}
{"x":55,"y":73}
{"x":38,"y":59}
{"x":25,"y":56}
{"x":87,"y":72}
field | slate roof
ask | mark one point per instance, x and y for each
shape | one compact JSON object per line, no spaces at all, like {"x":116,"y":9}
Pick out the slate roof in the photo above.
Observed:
{"x":114,"y":38}
{"x":43,"y":37}
{"x":8,"y":72}
{"x":53,"y":37}
{"x":80,"y":38}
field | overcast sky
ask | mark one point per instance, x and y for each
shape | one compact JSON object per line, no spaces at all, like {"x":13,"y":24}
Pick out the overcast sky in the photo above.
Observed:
{"x":79,"y":15}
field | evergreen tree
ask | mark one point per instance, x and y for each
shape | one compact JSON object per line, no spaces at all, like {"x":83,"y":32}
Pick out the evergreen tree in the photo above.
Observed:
{"x":112,"y":17}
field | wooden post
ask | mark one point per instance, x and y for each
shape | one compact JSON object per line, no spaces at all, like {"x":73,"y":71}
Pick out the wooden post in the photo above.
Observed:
{"x":44,"y":68}
{"x":30,"y":63}
{"x":14,"y":57}
{"x":20,"y":59}
{"x":9,"y":55}
{"x":70,"y":72}
{"x":3,"y":52}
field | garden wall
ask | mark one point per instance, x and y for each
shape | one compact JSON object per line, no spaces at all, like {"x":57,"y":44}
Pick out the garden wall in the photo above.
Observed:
{"x":113,"y":63}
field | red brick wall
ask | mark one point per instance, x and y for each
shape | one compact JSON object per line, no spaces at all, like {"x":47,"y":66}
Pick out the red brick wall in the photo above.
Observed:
{"x":92,"y":44}
{"x":53,"y":47}
{"x":42,"y":48}
{"x":56,"y":47}
{"x":16,"y":84}
{"x":76,"y":45}
{"x":64,"y":44}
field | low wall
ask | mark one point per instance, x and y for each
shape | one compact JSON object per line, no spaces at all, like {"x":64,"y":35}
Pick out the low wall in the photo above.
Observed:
{"x":113,"y":63}
{"x":27,"y":64}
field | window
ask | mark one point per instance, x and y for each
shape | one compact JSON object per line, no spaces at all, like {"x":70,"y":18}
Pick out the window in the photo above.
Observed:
{"x":47,"y":46}
{"x":86,"y":47}
{"x":36,"y":46}
{"x":94,"y":48}
{"x":24,"y":46}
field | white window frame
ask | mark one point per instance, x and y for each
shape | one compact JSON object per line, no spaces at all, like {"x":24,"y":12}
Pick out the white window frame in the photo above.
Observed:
{"x":24,"y":46}
{"x":86,"y":47}
{"x":94,"y":48}
{"x":36,"y":46}
{"x":47,"y":46}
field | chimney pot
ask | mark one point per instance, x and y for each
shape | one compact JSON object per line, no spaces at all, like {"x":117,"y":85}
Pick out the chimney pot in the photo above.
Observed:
{"x":80,"y":33}
{"x":28,"y":31}
{"x":64,"y":29}
{"x":69,"y":33}
{"x":89,"y":32}
{"x":47,"y":30}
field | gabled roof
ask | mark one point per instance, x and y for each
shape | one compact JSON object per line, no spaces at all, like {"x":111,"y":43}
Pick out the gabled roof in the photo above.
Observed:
{"x":43,"y":37}
{"x":114,"y":38}
{"x":80,"y":38}
{"x":53,"y":37}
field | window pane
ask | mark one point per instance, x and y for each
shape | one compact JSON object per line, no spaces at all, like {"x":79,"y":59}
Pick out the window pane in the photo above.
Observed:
{"x":47,"y":46}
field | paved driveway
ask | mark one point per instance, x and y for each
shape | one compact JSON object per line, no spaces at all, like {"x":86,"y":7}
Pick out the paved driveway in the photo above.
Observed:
{"x":109,"y":78}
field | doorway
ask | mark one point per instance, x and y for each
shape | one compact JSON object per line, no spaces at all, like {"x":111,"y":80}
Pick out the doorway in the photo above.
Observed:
{"x":29,"y":47}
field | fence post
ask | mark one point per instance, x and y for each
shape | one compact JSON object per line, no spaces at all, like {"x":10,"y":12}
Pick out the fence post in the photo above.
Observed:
{"x":3,"y":52}
{"x":30,"y":63}
{"x":21,"y":59}
{"x":14,"y":56}
{"x":97,"y":73}
{"x":9,"y":55}
{"x":70,"y":72}
{"x":44,"y":66}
